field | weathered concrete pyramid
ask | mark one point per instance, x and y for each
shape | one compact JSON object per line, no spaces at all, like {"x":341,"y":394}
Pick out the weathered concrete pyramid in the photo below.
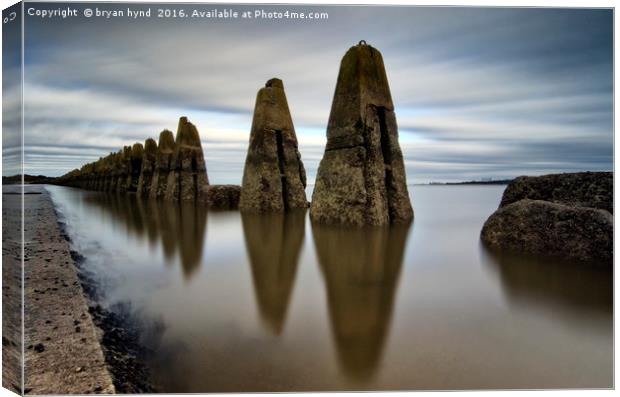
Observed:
{"x":96,"y":166}
{"x":135,"y":167}
{"x":163,"y":164}
{"x":361,"y":179}
{"x":101,"y":164}
{"x":188,"y":178}
{"x":274,"y":178}
{"x":148,"y":168}
{"x":111,"y":177}
{"x":123,"y":168}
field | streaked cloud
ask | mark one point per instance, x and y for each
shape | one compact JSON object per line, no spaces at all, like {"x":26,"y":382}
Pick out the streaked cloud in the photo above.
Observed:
{"x":479,"y":92}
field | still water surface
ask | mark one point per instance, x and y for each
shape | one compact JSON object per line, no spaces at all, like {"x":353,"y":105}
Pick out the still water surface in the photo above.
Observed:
{"x":233,"y":302}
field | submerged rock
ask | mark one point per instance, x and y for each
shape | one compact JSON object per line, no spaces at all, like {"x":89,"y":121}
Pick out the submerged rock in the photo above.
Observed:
{"x":361,"y":179}
{"x":187,"y":179}
{"x":274,"y":178}
{"x":148,"y":168}
{"x":550,"y":229}
{"x":222,"y":197}
{"x":582,"y":189}
{"x":163,"y":164}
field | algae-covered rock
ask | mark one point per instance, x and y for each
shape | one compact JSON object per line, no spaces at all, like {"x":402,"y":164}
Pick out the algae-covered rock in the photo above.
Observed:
{"x":361,"y":178}
{"x":274,"y":178}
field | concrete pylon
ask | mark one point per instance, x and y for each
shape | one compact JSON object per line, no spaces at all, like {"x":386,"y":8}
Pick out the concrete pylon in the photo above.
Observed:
{"x":361,"y":178}
{"x":135,"y":167}
{"x":274,"y":178}
{"x":148,"y":168}
{"x":163,"y":164}
{"x":187,"y":179}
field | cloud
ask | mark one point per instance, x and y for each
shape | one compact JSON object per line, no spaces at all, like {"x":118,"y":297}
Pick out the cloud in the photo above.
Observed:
{"x":479,"y":92}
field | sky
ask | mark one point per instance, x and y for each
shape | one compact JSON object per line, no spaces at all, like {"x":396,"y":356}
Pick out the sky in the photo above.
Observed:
{"x":478,"y":92}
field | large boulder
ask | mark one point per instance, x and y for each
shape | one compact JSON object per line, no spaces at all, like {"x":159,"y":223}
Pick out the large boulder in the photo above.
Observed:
{"x":361,"y":178}
{"x":274,"y":178}
{"x":582,"y":189}
{"x":550,"y":229}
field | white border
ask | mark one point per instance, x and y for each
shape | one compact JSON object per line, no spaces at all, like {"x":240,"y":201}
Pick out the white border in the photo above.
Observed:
{"x":477,"y":3}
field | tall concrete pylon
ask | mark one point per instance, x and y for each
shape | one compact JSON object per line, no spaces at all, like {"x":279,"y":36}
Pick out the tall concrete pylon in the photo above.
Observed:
{"x":361,"y":179}
{"x":274,"y":178}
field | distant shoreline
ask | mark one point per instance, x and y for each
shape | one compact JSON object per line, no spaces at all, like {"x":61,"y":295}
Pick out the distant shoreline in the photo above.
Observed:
{"x":492,"y":182}
{"x":28,"y":179}
{"x":42,"y":179}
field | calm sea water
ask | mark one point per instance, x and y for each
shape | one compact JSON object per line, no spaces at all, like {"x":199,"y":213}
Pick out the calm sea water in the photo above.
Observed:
{"x":232,"y":302}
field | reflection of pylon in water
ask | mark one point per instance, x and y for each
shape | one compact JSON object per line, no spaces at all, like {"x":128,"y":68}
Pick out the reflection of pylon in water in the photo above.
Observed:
{"x":273,"y":243}
{"x":361,"y":267}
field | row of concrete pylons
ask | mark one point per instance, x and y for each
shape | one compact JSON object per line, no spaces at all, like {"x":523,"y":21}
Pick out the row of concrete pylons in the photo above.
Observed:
{"x":173,"y":169}
{"x":361,"y":179}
